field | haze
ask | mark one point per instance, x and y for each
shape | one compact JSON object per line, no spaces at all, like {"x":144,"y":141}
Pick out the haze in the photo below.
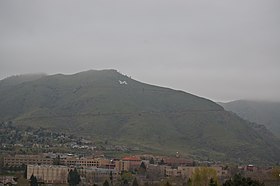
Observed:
{"x":221,"y":50}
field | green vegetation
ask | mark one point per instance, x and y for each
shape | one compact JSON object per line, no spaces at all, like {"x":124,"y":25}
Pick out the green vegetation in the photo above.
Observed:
{"x":22,"y":181}
{"x":204,"y":176}
{"x":73,"y":177}
{"x":156,"y":119}
{"x":106,"y":183}
{"x":56,"y":161}
{"x":142,"y":169}
{"x":135,"y":183}
{"x":33,"y":181}
{"x":238,"y":180}
{"x":261,"y":112}
{"x":213,"y":182}
{"x":126,"y":177}
{"x":275,"y":173}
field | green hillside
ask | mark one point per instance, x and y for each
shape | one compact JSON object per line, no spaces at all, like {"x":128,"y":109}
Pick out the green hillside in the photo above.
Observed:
{"x":15,"y":80}
{"x":108,"y":105}
{"x":262,"y":112}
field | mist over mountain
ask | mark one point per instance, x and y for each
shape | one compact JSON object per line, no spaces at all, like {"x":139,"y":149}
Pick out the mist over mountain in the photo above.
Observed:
{"x":261,"y":112}
{"x":108,"y":105}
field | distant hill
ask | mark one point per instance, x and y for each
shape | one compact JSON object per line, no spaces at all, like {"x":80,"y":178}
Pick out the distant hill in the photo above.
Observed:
{"x":261,"y":112}
{"x":108,"y":105}
{"x":18,"y":79}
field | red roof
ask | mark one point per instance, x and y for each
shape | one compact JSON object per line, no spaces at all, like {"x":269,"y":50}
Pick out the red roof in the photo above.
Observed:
{"x":131,"y":158}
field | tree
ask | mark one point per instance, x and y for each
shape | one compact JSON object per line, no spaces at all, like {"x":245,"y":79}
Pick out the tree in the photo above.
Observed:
{"x":22,"y":181}
{"x":242,"y":181}
{"x":275,"y":173}
{"x":189,"y":183}
{"x":125,"y":183}
{"x":111,"y":177}
{"x":73,"y":177}
{"x":142,"y":168}
{"x":135,"y":183}
{"x":212,"y":182}
{"x":203,"y":175}
{"x":152,"y":161}
{"x":161,"y":162}
{"x":25,"y":172}
{"x":56,"y":161}
{"x":126,"y":176}
{"x":167,"y":184}
{"x":106,"y":183}
{"x":33,"y":181}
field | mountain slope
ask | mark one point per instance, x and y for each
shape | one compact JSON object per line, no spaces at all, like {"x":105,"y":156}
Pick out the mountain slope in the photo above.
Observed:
{"x":15,"y":80}
{"x":108,"y":105}
{"x":265,"y":113}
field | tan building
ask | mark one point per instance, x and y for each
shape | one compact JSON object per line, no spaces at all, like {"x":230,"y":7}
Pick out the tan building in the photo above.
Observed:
{"x":221,"y":172}
{"x":176,"y":161}
{"x":121,"y":165}
{"x":93,"y":175}
{"x":81,"y":162}
{"x":88,"y":162}
{"x":172,"y":172}
{"x":155,"y":172}
{"x":129,"y":163}
{"x":186,"y":172}
{"x":18,"y":160}
{"x":48,"y":174}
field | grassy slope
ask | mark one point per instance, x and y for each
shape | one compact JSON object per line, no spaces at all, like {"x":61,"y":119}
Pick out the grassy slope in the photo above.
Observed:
{"x":95,"y":103}
{"x":265,"y":113}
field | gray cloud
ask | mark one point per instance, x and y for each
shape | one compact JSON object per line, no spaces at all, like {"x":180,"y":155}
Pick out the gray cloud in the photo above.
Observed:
{"x":222,"y":50}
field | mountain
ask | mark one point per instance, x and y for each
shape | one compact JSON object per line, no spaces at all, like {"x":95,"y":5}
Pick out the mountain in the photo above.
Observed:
{"x":261,"y":112}
{"x":110,"y":106}
{"x":18,"y":79}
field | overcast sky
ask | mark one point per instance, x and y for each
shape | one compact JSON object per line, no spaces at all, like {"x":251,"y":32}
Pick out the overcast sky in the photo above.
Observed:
{"x":219,"y":49}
